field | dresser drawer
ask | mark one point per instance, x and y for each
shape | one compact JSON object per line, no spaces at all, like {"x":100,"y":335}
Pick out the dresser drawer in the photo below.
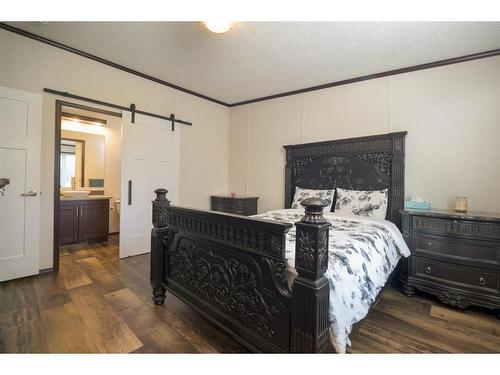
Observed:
{"x":238,"y":206}
{"x":465,"y":228}
{"x":456,"y":250}
{"x":459,"y":276}
{"x":221,"y":203}
{"x":234,"y":210}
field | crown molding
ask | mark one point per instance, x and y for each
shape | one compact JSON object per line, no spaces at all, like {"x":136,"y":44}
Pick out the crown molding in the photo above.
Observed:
{"x":106,"y":62}
{"x":414,"y":68}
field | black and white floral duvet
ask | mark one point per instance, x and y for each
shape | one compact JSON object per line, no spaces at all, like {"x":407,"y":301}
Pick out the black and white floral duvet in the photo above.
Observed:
{"x":363,"y":252}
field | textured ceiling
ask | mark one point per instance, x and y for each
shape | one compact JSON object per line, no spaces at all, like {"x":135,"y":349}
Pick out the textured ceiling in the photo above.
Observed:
{"x":257,"y":59}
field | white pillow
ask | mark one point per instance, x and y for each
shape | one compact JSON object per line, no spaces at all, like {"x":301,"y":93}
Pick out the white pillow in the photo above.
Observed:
{"x":301,"y":194}
{"x":371,"y":203}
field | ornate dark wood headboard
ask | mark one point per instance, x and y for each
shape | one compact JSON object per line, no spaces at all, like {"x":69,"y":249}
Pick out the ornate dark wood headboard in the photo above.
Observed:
{"x":363,"y":163}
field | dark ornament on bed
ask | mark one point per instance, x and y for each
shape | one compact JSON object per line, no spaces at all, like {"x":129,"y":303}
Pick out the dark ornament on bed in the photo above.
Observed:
{"x":314,"y":210}
{"x":277,"y":269}
{"x":160,"y":205}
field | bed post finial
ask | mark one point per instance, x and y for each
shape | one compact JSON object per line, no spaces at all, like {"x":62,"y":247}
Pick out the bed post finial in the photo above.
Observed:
{"x":160,"y":205}
{"x":159,"y":235}
{"x":310,"y":298}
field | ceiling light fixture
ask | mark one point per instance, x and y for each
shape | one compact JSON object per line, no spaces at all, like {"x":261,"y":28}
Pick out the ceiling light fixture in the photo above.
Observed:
{"x":83,"y":119}
{"x":219,"y":26}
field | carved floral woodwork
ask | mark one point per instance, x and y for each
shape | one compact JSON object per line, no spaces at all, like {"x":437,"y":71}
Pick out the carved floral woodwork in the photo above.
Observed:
{"x":323,"y":249}
{"x":453,"y":299}
{"x":480,"y":229}
{"x":229,"y":284}
{"x":158,"y":295}
{"x":365,"y":163}
{"x":277,"y":270}
{"x":305,"y":250}
{"x":266,"y":242}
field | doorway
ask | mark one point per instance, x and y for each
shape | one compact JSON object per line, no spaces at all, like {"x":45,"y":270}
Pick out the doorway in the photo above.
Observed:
{"x":86,"y":175}
{"x":149,"y":159}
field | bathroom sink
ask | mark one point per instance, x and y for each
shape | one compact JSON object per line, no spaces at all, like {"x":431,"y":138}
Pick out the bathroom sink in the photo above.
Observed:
{"x":75,"y":193}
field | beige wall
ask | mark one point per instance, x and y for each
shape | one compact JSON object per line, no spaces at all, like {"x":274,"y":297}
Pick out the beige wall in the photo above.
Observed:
{"x":451,"y":113}
{"x":29,"y":65}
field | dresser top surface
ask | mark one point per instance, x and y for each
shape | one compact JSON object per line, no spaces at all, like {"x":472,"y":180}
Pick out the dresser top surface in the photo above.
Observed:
{"x":235,"y":197}
{"x":451,"y":214}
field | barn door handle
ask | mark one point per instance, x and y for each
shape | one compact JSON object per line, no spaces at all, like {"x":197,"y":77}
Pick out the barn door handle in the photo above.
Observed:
{"x":129,"y":192}
{"x":30,"y":193}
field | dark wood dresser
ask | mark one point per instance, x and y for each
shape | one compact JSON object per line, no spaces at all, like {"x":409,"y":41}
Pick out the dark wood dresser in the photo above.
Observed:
{"x":454,"y":256}
{"x":239,"y":205}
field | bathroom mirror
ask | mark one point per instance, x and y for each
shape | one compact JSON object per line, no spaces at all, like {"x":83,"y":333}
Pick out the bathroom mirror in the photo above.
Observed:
{"x":82,"y":160}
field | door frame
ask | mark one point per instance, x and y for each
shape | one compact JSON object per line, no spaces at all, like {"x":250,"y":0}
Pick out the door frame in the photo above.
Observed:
{"x":57,"y":166}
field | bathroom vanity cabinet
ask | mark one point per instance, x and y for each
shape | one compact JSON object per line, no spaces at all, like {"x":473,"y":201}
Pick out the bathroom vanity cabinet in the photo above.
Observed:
{"x":82,"y":220}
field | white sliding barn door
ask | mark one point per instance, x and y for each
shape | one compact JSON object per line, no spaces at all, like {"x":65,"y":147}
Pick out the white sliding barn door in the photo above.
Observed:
{"x":20,"y":144}
{"x":150,"y":160}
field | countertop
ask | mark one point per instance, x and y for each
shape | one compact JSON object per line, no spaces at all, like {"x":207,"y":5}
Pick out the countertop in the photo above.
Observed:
{"x":225,"y":196}
{"x":87,"y":198}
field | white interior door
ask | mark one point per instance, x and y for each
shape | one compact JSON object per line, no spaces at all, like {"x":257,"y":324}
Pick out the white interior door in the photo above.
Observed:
{"x":20,"y":143}
{"x":150,"y":160}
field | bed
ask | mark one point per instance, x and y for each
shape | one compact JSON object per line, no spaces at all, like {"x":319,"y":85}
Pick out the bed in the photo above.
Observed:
{"x":234,"y":270}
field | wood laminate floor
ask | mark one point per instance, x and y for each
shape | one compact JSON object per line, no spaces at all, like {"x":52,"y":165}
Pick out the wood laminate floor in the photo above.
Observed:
{"x":98,"y":303}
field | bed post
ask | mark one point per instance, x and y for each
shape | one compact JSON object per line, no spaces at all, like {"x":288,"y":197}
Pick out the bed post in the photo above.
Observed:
{"x":159,"y":234}
{"x":310,"y":297}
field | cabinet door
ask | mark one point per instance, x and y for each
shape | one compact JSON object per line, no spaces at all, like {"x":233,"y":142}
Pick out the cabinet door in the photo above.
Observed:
{"x":94,"y":221}
{"x":68,"y":224}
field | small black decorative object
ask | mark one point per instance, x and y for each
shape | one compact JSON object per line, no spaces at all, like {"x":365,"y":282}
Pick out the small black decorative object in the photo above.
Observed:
{"x":314,"y":210}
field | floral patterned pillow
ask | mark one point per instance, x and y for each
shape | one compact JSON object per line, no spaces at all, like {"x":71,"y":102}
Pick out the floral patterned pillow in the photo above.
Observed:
{"x":371,"y":203}
{"x":301,"y":194}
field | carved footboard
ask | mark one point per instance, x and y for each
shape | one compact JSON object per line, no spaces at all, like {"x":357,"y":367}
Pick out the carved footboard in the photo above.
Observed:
{"x":230,"y":269}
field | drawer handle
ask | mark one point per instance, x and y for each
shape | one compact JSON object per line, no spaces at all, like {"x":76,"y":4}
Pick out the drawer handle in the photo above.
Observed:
{"x":429,"y":243}
{"x":428,"y":270}
{"x":482,"y":281}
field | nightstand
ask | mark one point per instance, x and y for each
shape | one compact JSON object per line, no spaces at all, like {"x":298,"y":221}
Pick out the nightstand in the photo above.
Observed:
{"x":239,"y":205}
{"x":454,"y":256}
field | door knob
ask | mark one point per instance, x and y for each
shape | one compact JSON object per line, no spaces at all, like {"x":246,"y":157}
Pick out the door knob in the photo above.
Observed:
{"x":30,"y":193}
